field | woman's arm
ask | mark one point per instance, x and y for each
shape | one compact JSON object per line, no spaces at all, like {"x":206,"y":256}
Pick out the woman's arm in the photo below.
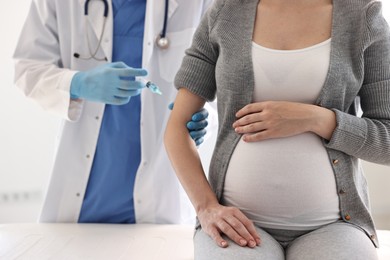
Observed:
{"x":368,"y":137}
{"x":181,"y":149}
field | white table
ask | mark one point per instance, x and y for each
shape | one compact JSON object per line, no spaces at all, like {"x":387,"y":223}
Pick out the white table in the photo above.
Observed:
{"x":102,"y":241}
{"x":95,"y":242}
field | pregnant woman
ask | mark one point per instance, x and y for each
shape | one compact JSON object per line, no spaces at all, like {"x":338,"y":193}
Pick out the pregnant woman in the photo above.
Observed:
{"x":303,"y":91}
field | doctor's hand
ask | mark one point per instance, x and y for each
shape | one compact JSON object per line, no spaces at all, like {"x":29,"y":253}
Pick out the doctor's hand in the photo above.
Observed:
{"x":197,"y":125}
{"x":111,"y":83}
{"x":218,"y":219}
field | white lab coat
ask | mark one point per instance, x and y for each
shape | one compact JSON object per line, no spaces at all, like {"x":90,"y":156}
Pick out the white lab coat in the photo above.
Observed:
{"x":53,"y":32}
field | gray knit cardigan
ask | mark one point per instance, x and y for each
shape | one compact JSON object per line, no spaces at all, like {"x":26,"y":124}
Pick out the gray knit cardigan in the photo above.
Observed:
{"x":219,"y":64}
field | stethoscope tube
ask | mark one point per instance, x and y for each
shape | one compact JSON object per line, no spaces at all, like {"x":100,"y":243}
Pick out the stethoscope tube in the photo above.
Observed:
{"x":164,"y":30}
{"x":105,"y":8}
{"x":162,"y":40}
{"x":92,"y":54}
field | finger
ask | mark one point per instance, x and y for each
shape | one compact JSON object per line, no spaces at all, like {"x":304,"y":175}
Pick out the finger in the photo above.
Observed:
{"x":256,"y":137}
{"x":198,"y":134}
{"x":251,"y":108}
{"x":118,"y":65}
{"x":200,"y":115}
{"x":170,"y":106}
{"x":227,"y":227}
{"x":137,"y":72}
{"x":216,"y":236}
{"x":131,"y":85}
{"x":251,"y":128}
{"x":127,"y":78}
{"x":126,"y":93}
{"x":248,"y":119}
{"x":131,"y":72}
{"x":191,"y":125}
{"x":199,"y":141}
{"x":244,"y":237}
{"x":250,"y":233}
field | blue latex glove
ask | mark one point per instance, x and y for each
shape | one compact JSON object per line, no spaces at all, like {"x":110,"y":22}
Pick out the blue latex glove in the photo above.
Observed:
{"x":197,"y":125}
{"x":111,"y":83}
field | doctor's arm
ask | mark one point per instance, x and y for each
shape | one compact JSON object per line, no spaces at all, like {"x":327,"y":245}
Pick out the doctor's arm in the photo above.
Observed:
{"x":214,"y":217}
{"x":38,"y":63}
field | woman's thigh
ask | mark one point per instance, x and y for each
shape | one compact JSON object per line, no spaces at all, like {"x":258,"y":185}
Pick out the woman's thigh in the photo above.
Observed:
{"x":206,"y":248}
{"x":335,"y":241}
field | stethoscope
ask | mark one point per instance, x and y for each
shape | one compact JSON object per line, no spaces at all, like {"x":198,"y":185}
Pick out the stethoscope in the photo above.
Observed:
{"x":162,"y":40}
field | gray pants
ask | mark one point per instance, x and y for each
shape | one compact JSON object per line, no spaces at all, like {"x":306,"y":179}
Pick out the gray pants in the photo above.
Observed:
{"x":337,"y":241}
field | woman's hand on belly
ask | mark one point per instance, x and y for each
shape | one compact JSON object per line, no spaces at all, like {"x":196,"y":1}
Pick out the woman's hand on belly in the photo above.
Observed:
{"x":230,"y":221}
{"x":276,"y":119}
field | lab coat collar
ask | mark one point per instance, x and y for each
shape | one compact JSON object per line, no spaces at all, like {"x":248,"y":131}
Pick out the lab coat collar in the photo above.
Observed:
{"x":95,"y":19}
{"x":172,"y":7}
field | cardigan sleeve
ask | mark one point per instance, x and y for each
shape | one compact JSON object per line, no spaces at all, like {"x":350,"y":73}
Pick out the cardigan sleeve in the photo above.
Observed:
{"x":197,"y":71}
{"x":368,"y":137}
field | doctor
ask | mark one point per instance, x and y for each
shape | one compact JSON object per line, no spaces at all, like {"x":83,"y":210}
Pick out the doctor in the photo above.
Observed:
{"x":79,"y":59}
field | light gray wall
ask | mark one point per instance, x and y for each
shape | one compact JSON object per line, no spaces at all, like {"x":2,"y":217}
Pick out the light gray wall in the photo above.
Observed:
{"x":26,"y":132}
{"x":378,"y":177}
{"x":27,"y":136}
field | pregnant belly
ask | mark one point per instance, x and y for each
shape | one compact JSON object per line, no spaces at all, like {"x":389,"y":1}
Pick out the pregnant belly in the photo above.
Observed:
{"x":283,"y":183}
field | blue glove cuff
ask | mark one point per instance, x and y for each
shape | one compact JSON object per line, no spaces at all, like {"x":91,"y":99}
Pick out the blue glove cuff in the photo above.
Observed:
{"x":75,"y":86}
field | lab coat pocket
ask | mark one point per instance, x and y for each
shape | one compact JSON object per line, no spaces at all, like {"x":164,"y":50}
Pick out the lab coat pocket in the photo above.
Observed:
{"x":170,"y":59}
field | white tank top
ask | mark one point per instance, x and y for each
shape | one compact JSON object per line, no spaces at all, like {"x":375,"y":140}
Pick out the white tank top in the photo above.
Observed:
{"x":285,"y":183}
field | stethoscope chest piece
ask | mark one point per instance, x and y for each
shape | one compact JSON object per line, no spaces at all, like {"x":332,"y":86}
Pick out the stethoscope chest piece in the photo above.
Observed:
{"x":162,"y":42}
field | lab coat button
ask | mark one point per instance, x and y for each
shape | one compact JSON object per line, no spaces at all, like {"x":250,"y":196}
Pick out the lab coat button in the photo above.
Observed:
{"x":97,"y":117}
{"x":372,"y":237}
{"x":347,"y":217}
{"x":335,"y":161}
{"x":78,"y":194}
{"x":139,"y":201}
{"x":88,"y":156}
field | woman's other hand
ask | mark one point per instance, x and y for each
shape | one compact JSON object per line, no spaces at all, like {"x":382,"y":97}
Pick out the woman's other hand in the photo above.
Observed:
{"x":217,"y":220}
{"x":277,"y":119}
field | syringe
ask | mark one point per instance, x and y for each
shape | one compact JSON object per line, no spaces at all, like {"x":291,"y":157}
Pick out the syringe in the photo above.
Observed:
{"x":150,"y":85}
